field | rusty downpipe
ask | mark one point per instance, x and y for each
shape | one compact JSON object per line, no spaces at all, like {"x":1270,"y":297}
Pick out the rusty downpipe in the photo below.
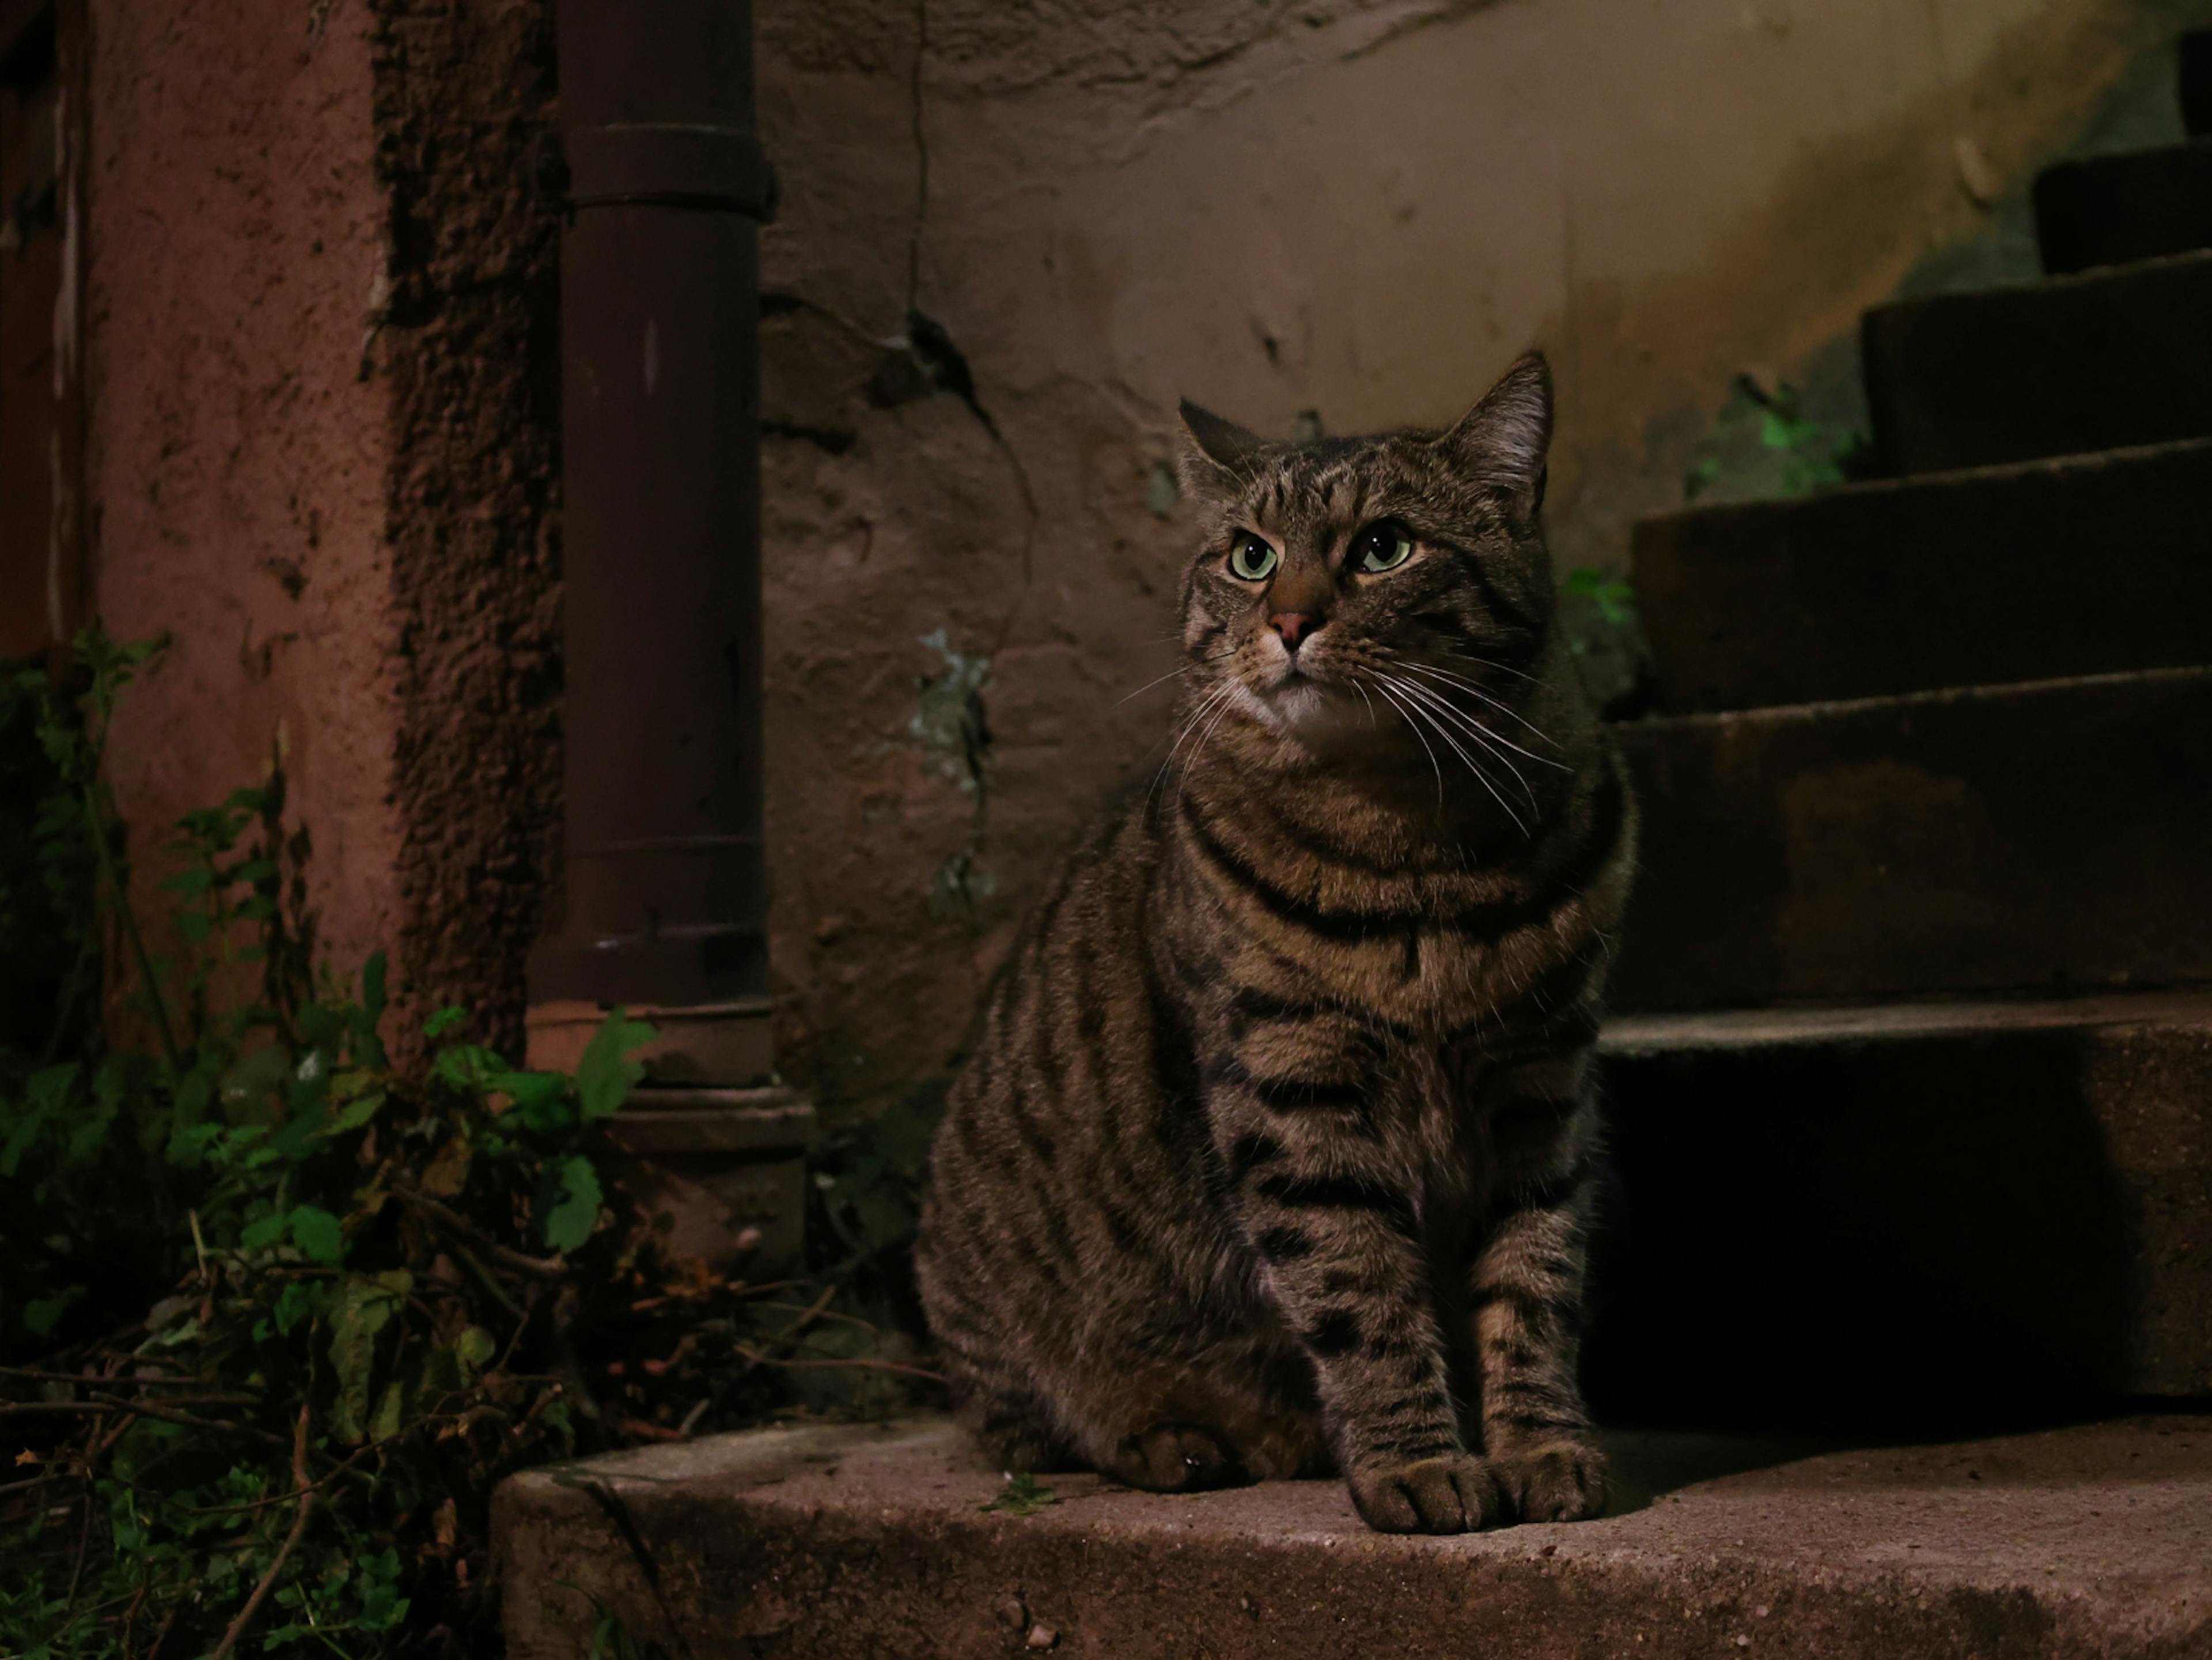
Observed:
{"x":664,"y":879}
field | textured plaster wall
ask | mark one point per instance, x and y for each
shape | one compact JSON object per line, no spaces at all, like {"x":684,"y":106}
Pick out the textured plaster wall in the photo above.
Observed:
{"x":323,"y":417}
{"x":237,"y":454}
{"x":322,"y":313}
{"x":1361,"y":209}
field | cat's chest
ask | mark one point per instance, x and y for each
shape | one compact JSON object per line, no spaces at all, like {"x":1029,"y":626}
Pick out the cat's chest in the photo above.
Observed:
{"x":1435,"y":979}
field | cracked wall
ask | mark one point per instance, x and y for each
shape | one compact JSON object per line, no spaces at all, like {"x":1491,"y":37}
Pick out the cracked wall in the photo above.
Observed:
{"x":322,"y":443}
{"x":1013,"y":233}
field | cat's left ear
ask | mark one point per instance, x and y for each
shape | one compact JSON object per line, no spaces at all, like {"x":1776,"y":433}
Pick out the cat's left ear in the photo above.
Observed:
{"x":1504,"y":439}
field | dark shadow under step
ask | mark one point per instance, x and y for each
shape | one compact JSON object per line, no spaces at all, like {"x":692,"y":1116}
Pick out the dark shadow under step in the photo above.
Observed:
{"x":1902,"y":1214}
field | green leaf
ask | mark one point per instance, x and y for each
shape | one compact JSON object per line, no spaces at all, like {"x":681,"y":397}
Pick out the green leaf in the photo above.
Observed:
{"x":261,"y":1234}
{"x":540,"y":1099}
{"x":475,"y":1347}
{"x":296,"y":1302}
{"x":41,"y":1314}
{"x":356,"y":1113}
{"x":189,"y":883}
{"x":387,"y":1423}
{"x":365,"y":1305}
{"x":468,"y":1066}
{"x":606,"y":1074}
{"x":570,"y":1223}
{"x":443,"y":1022}
{"x":1022,"y":1495}
{"x":318,"y":1235}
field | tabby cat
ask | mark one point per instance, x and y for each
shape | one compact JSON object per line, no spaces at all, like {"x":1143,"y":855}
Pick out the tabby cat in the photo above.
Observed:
{"x":1276,"y":1147}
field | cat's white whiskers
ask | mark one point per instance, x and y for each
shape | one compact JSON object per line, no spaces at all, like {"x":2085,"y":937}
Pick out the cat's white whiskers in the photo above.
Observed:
{"x":1372,"y":722}
{"x":1467,"y":685}
{"x":1406,"y":710}
{"x":1384,"y":683}
{"x":1180,"y":668}
{"x":1485,"y":663}
{"x":1198,"y":748}
{"x":1476,"y":730}
{"x":1219,"y":694}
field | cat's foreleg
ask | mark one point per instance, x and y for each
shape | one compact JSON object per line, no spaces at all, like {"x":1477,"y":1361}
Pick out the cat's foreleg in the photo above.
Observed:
{"x":1526,"y":1285}
{"x":1334,"y":1218}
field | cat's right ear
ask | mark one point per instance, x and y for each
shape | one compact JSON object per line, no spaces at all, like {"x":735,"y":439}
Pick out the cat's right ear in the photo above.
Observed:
{"x":1216,"y":457}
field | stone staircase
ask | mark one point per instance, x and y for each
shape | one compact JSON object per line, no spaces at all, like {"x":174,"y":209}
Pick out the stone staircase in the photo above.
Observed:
{"x":1913,"y":1096}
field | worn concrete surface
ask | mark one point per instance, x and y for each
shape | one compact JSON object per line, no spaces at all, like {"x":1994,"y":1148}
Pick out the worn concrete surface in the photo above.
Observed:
{"x":2089,"y":565}
{"x":2030,"y":838}
{"x":2093,"y":1540}
{"x":1883,"y":1215}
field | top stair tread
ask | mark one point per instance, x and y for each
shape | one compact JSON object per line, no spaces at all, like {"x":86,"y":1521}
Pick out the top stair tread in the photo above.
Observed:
{"x":865,"y":1539}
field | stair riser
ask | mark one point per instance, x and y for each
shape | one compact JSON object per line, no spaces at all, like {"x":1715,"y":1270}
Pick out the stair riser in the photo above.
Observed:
{"x":2062,"y":367}
{"x":1891,"y":1230}
{"x":2042,"y":837}
{"x":2090,"y":566}
{"x":2112,"y":210}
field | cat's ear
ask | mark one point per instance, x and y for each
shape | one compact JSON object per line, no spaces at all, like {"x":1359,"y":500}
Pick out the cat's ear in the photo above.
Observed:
{"x":1216,"y":457}
{"x":1503,"y":439}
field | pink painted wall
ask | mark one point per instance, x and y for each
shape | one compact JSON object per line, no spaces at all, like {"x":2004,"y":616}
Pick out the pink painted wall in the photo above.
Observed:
{"x":237,"y":449}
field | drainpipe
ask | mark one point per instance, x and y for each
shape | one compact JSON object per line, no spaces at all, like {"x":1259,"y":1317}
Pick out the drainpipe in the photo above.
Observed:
{"x":664,"y":884}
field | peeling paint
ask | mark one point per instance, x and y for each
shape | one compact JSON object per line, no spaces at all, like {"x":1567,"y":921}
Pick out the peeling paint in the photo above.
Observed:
{"x":962,"y":882}
{"x":1162,"y":491}
{"x":948,"y":724}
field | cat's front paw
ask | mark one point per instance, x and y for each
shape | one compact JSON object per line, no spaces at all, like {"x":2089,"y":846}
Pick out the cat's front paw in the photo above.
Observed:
{"x":1454,"y":1492}
{"x":1559,"y":1481}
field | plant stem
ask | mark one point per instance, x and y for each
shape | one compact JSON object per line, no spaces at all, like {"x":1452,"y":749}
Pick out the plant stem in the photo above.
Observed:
{"x":130,"y":921}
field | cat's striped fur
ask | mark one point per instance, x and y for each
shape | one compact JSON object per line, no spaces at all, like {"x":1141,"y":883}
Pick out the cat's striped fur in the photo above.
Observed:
{"x":1276,"y":1150}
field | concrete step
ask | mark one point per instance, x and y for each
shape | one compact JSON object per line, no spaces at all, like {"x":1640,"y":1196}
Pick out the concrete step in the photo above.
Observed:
{"x":2026,"y":838}
{"x":2196,"y":83}
{"x":2071,"y":364}
{"x":1882,"y":1217}
{"x":2115,"y":210}
{"x":2087,"y":565}
{"x":822,"y":1542}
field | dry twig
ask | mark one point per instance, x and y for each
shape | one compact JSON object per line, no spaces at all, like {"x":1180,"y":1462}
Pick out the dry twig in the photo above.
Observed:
{"x":284,"y":1552}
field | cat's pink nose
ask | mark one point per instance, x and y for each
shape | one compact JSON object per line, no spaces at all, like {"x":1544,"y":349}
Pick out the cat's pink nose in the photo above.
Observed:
{"x":1293,"y":626}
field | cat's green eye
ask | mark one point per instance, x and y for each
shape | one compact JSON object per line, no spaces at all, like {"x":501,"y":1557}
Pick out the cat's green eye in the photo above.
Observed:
{"x":1383,"y":546}
{"x":1251,"y":558}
